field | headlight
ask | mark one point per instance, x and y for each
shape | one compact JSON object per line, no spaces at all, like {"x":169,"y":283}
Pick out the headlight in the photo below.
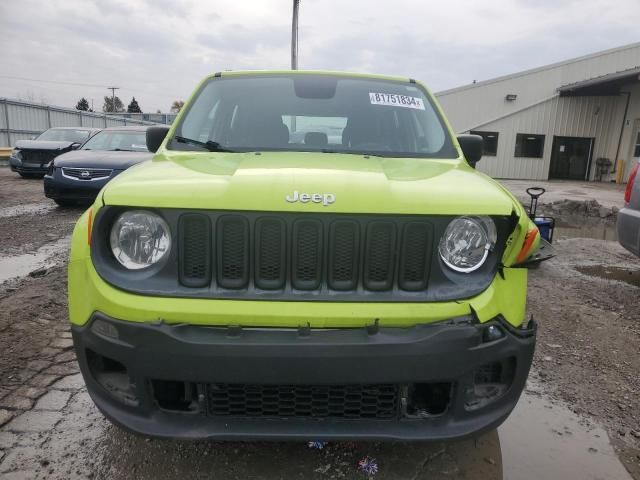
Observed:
{"x":140,"y":239}
{"x":15,"y":153}
{"x":466,"y":243}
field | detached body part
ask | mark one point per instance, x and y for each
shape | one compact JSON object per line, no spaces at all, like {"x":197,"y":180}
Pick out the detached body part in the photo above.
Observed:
{"x":307,"y":255}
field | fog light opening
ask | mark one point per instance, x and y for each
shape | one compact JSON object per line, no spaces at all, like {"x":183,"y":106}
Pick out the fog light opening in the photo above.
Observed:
{"x":177,"y":396}
{"x":112,"y":376}
{"x":491,"y":333}
{"x":104,"y":329}
{"x":490,"y":382}
{"x":424,"y":400}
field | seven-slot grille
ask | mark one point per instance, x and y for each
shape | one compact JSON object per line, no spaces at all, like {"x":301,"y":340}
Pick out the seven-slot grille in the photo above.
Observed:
{"x":304,"y":253}
{"x":318,"y":401}
{"x":86,"y":173}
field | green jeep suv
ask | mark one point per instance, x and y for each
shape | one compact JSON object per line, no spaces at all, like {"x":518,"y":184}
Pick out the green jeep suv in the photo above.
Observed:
{"x":308,"y":255}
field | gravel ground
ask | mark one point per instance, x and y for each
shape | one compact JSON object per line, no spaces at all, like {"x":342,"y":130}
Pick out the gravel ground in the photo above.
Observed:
{"x":587,"y":359}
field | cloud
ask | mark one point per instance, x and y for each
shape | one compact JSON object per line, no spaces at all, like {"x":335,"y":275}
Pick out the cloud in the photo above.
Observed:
{"x":158,"y":50}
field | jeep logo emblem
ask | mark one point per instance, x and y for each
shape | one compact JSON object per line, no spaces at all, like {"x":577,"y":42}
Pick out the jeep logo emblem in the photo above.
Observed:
{"x":325,"y":198}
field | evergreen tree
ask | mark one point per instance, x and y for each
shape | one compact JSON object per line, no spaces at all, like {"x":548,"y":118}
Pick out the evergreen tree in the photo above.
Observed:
{"x":133,"y":106}
{"x":83,"y":105}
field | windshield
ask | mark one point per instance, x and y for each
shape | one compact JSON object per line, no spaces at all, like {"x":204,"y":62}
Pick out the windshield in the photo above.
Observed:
{"x":313,"y":113}
{"x":118,"y":140}
{"x":64,"y":135}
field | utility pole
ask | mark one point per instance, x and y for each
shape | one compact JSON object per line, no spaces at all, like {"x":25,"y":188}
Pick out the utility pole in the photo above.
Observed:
{"x":294,"y":35}
{"x":113,"y":97}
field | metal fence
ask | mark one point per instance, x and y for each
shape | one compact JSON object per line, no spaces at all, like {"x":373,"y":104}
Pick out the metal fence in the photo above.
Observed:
{"x":22,"y":120}
{"x":164,"y":118}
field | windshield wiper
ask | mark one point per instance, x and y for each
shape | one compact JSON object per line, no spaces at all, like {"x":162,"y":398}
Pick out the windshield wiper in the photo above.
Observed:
{"x":351,"y":152}
{"x":120,"y":150}
{"x":209,"y":144}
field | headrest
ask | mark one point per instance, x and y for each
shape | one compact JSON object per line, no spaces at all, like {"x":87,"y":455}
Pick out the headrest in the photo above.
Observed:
{"x":316,"y":139}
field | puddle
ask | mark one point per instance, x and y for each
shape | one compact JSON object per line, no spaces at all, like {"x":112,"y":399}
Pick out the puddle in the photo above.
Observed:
{"x":627,"y":275}
{"x":27,"y":209}
{"x":21,"y":265}
{"x":546,"y":440}
{"x":586,"y":229}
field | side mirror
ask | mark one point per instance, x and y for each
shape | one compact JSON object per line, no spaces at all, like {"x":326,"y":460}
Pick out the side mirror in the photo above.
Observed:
{"x":155,"y":137}
{"x":472,"y":147}
{"x":75,"y":146}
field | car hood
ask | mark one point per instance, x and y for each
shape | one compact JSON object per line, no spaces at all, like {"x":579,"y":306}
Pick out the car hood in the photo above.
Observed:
{"x":42,"y":145}
{"x":260,"y":182}
{"x":101,"y":159}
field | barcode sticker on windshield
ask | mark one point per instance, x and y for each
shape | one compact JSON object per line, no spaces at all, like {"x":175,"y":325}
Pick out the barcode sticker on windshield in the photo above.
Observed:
{"x":396,"y":100}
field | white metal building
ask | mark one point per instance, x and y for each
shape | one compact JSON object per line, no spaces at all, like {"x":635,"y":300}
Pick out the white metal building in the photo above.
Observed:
{"x":558,"y":121}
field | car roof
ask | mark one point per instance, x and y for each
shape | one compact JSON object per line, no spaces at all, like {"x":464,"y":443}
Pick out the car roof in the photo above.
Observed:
{"x":128,"y":128}
{"x":92,"y":129}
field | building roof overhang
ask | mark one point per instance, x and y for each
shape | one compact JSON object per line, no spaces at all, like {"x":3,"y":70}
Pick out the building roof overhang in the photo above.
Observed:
{"x":609,"y":84}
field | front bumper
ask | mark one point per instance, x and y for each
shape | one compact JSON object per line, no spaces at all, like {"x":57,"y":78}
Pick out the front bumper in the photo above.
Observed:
{"x":444,"y":352}
{"x":628,"y":227}
{"x":58,"y":187}
{"x":19,"y":166}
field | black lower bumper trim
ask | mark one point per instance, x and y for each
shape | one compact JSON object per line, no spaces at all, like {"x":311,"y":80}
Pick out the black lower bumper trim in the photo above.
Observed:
{"x":443,"y":353}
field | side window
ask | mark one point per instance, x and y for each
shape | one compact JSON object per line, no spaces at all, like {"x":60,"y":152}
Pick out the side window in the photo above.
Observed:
{"x":529,"y":145}
{"x":490,"y":142}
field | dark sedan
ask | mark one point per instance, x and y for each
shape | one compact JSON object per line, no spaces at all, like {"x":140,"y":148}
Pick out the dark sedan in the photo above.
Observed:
{"x":31,"y":158}
{"x":78,"y":176}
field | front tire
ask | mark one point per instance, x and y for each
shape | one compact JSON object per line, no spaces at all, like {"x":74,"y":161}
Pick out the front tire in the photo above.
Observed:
{"x":64,"y":203}
{"x":31,"y":175}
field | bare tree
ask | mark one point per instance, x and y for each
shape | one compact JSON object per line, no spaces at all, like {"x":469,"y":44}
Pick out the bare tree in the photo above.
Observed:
{"x":176,"y":106}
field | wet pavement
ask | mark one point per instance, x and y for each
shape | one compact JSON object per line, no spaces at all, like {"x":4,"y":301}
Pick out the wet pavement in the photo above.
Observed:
{"x":27,"y":209}
{"x":608,"y":272}
{"x":543,"y":439}
{"x":595,"y":229}
{"x":15,"y":266}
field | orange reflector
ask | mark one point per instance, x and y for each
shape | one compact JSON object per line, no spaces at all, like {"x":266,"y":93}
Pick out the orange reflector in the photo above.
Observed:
{"x":529,"y":240}
{"x":90,"y":225}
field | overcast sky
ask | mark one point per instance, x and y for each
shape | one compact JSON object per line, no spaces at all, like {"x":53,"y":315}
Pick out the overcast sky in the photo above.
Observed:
{"x":157,"y":50}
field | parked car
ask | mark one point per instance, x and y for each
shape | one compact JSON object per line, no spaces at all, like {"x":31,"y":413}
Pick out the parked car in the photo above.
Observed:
{"x":241,"y":285}
{"x":31,"y":158}
{"x":79,"y":175}
{"x":629,"y":217}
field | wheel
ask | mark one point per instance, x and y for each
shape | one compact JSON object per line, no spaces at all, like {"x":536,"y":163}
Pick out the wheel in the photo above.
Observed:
{"x":31,"y":175}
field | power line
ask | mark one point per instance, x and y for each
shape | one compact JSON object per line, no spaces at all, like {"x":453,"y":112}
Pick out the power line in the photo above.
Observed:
{"x":76,"y":84}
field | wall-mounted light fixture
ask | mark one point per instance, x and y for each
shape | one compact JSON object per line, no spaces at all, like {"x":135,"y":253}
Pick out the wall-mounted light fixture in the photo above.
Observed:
{"x":510,"y":97}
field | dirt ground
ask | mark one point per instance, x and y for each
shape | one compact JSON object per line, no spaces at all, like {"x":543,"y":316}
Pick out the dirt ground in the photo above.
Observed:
{"x":587,"y":361}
